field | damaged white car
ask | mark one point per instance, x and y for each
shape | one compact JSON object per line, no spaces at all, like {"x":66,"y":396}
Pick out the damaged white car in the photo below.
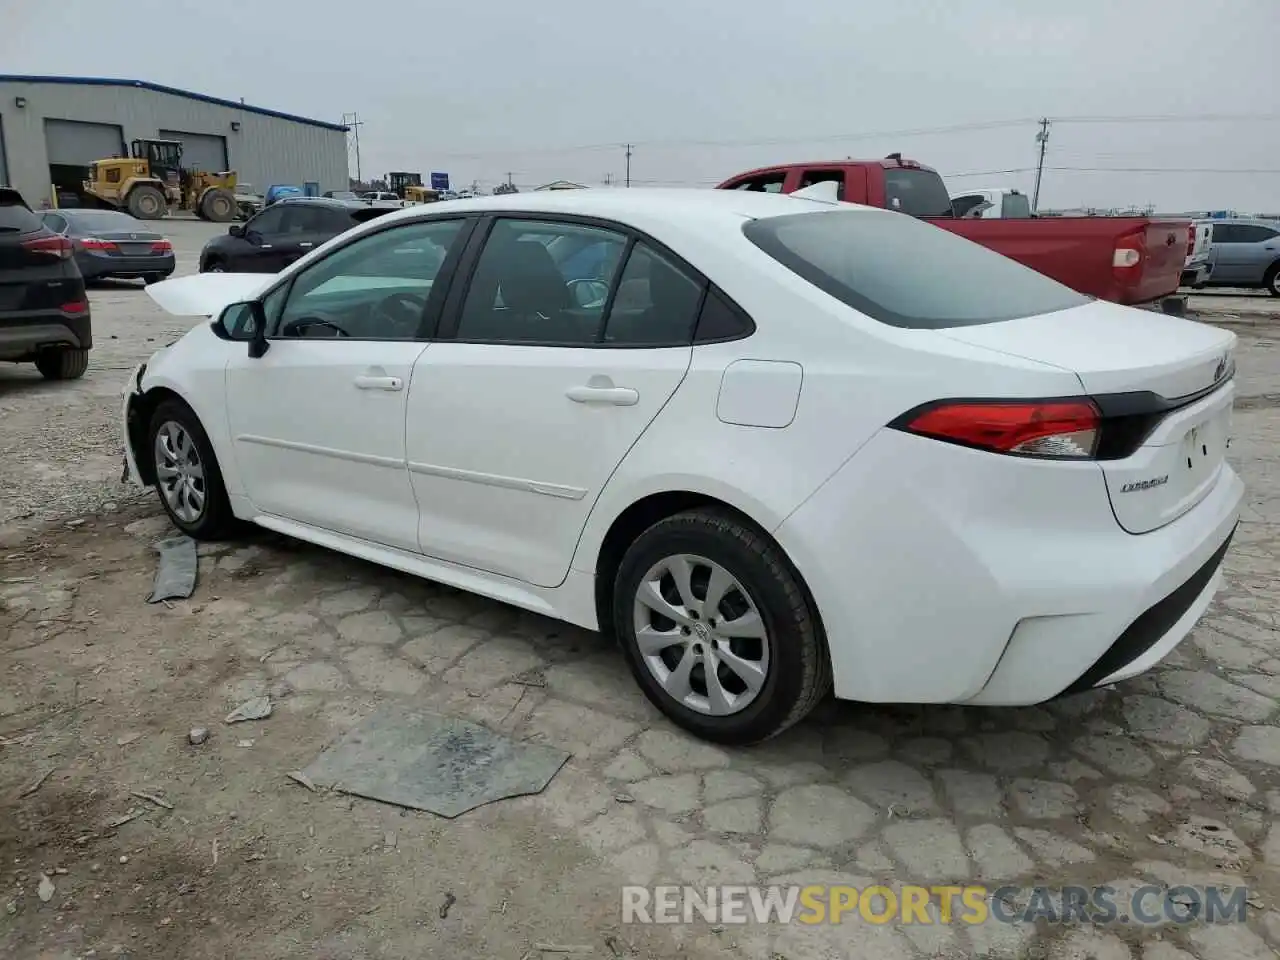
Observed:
{"x":773,"y":444}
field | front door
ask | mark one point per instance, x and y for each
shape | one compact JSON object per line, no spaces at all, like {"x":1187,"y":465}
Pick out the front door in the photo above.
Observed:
{"x":318,"y":422}
{"x":534,"y":394}
{"x":259,"y":249}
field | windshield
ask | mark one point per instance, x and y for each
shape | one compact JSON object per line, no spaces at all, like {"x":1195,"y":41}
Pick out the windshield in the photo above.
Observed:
{"x":104,"y":220}
{"x":906,"y":273}
{"x":920,"y":193}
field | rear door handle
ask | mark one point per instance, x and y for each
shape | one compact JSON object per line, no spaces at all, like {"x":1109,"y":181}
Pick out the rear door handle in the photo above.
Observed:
{"x":391,"y":384}
{"x":617,"y":396}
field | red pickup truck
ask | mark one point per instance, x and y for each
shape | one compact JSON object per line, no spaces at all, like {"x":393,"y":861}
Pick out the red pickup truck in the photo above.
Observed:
{"x":1127,"y":260}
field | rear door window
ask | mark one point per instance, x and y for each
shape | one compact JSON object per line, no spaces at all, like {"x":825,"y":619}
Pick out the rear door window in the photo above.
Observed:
{"x":906,"y":273}
{"x":920,"y":193}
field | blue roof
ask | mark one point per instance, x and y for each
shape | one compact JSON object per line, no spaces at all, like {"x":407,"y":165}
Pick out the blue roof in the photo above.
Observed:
{"x":161,"y":88}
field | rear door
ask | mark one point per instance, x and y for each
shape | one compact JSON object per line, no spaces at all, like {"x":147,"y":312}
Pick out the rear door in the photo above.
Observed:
{"x":536,"y":390}
{"x":1242,"y":252}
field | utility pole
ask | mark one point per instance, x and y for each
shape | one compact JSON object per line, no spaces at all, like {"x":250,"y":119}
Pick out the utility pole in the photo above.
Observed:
{"x":627,"y":146}
{"x":509,"y":175}
{"x":1042,"y":138}
{"x":353,"y":121}
{"x":608,"y":179}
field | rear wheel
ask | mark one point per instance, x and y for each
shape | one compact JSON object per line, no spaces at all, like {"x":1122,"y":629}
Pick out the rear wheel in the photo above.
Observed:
{"x":62,"y":363}
{"x":218,"y":205}
{"x":187,"y":475}
{"x":147,"y":202}
{"x":1272,"y":280}
{"x":717,"y":628}
{"x":151,"y":278}
{"x":214,"y":266}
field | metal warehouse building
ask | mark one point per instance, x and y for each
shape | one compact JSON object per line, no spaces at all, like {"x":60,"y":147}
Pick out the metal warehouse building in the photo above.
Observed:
{"x":52,"y":128}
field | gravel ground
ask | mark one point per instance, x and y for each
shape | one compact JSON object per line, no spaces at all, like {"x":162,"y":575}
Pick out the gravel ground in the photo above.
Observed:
{"x":1170,"y":779}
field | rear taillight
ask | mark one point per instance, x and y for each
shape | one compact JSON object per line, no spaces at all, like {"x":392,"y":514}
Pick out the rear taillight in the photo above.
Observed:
{"x":55,"y":246}
{"x":1130,"y":251}
{"x":75,"y":306}
{"x":93,"y":243}
{"x":1052,"y":429}
{"x":162,"y":246}
{"x":1191,"y":239}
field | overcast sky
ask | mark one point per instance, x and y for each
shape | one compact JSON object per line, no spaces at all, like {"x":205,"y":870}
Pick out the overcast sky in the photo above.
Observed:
{"x":707,"y":88}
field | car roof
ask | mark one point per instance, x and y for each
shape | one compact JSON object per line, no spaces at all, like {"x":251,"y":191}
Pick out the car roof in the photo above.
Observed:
{"x":613,"y":203}
{"x":1243,"y":221}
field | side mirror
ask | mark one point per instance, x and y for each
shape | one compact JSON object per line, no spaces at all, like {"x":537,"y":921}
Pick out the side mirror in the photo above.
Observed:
{"x":245,"y":323}
{"x":236,"y":230}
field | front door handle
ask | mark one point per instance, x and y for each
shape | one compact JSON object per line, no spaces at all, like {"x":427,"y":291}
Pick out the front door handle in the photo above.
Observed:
{"x":391,"y":384}
{"x":264,"y":246}
{"x":306,"y":245}
{"x":617,"y":396}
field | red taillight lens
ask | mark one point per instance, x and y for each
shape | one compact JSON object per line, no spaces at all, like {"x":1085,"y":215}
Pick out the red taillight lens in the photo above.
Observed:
{"x":161,"y":246}
{"x":55,"y":246}
{"x":93,"y":243}
{"x":1130,"y":252}
{"x":1191,"y":239}
{"x":1058,"y":429}
{"x":76,"y":306}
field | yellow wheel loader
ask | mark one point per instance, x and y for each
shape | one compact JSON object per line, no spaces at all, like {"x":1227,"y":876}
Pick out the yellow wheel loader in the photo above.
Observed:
{"x":153,"y":180}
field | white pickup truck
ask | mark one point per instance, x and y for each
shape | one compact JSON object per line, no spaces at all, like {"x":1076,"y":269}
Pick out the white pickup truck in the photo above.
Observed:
{"x":382,"y":198}
{"x":997,"y":203}
{"x":1199,"y":262}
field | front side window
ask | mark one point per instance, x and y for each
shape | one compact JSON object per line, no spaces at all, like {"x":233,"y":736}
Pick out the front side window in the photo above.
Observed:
{"x":541,"y":282}
{"x":812,"y":177}
{"x":376,"y":288}
{"x":267,"y":223}
{"x":907,"y":273}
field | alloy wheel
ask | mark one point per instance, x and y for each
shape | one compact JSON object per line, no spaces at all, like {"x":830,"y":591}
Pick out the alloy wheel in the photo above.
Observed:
{"x":180,"y":472}
{"x":701,"y":636}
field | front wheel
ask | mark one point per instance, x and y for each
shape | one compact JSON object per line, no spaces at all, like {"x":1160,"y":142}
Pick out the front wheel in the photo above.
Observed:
{"x":1272,"y":280}
{"x":187,"y":475}
{"x":717,"y":628}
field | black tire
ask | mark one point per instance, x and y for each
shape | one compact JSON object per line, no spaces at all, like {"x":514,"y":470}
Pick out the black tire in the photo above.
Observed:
{"x":1272,"y":279}
{"x":146,"y":202}
{"x":62,"y":363}
{"x":799,"y":673}
{"x":218,"y":205}
{"x":151,"y":278}
{"x":213,"y":265}
{"x":215,"y":521}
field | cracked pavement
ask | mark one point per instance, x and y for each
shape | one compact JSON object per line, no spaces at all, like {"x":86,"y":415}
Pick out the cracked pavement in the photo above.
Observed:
{"x":1170,"y":779}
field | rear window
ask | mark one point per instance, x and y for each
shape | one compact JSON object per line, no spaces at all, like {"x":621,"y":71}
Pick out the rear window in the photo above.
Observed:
{"x":1017,"y":206}
{"x":15,"y":217}
{"x":920,"y":193}
{"x":907,"y":273}
{"x":104,"y":220}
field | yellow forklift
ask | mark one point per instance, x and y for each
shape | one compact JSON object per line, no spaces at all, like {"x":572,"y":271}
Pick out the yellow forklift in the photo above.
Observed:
{"x":153,"y":180}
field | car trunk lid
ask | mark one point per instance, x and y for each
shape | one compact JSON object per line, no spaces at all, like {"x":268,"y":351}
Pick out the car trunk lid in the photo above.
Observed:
{"x":1174,"y":372}
{"x":125,"y":244}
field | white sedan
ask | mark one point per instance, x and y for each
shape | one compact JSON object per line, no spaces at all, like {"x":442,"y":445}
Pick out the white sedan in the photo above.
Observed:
{"x":772,"y":444}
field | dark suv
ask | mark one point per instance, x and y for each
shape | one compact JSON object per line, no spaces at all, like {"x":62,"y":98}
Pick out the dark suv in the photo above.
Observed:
{"x":44,"y":313}
{"x":282,"y":233}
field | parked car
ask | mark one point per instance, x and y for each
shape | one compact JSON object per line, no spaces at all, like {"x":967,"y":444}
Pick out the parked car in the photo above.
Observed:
{"x":799,"y":441}
{"x":996,"y":203}
{"x":348,"y":195}
{"x":1127,"y":260}
{"x":1246,"y":253}
{"x":44,"y":313}
{"x":109,"y":243}
{"x":248,"y":200}
{"x":382,"y":198}
{"x":1199,"y":262}
{"x":269,"y":241}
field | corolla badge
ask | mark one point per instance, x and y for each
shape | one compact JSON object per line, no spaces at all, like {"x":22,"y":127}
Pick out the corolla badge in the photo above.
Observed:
{"x":1139,"y":485}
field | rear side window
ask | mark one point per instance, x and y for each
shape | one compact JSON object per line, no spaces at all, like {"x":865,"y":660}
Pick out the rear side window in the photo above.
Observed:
{"x":920,"y":193}
{"x":906,"y":273}
{"x":15,"y":218}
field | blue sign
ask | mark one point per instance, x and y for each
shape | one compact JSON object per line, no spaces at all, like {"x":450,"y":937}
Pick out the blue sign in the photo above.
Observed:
{"x":439,"y":181}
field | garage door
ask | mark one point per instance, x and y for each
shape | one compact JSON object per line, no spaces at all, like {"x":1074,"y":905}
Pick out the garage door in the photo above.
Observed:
{"x":75,"y":144}
{"x":200,"y":151}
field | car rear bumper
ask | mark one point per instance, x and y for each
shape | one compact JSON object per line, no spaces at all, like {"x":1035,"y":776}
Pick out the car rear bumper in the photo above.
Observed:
{"x":948,"y":575}
{"x":92,"y":266}
{"x":1194,"y":274}
{"x":22,"y":333}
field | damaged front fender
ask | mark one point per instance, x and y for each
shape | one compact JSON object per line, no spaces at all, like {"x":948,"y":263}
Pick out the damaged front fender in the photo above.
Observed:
{"x":133,"y":428}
